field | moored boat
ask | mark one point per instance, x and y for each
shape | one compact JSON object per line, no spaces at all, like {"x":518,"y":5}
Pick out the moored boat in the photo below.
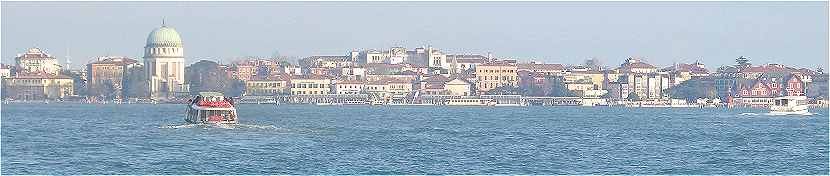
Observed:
{"x":211,"y":107}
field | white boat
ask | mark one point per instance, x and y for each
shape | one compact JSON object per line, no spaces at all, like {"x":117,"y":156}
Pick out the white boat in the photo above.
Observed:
{"x":211,"y":107}
{"x":787,"y":105}
{"x":471,"y":102}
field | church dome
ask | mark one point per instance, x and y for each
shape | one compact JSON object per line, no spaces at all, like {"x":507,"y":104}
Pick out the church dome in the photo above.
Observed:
{"x":164,"y":37}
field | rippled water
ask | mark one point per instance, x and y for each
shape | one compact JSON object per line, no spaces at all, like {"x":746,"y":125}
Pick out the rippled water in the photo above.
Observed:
{"x":151,"y":139}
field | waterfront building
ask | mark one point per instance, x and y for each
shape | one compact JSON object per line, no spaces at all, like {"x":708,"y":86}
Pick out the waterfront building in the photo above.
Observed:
{"x":37,"y":86}
{"x":164,"y":63}
{"x":310,"y":85}
{"x":107,"y":73}
{"x":762,"y":90}
{"x":267,"y":85}
{"x":388,"y":88}
{"x":35,"y":61}
{"x":496,"y":74}
{"x":349,"y":87}
{"x":645,"y":85}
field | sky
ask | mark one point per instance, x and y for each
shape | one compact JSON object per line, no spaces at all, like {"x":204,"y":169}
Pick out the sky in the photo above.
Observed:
{"x":661,"y":33}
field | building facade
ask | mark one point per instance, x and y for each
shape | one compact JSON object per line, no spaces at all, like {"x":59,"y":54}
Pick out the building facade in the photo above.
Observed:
{"x":164,"y":63}
{"x":37,"y":86}
{"x":108,"y":71}
{"x":35,"y":61}
{"x":310,"y":85}
{"x":493,"y":75}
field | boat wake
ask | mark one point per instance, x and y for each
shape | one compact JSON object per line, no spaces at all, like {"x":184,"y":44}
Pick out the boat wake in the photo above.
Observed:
{"x":775,"y":114}
{"x":222,"y":126}
{"x":779,"y":114}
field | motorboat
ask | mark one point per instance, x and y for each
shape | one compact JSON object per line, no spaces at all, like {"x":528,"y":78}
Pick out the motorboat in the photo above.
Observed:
{"x":789,"y":105}
{"x":211,"y":107}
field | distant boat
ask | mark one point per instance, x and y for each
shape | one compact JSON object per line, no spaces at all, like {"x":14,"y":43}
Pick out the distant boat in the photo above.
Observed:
{"x":211,"y":107}
{"x":789,"y":105}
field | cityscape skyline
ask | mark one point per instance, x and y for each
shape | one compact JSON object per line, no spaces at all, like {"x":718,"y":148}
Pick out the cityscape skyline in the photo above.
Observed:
{"x":760,"y":30}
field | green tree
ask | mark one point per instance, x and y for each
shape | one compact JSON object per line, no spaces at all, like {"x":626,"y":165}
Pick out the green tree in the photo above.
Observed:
{"x":693,"y":89}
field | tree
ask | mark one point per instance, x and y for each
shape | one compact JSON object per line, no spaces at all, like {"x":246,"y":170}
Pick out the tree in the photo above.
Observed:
{"x":134,"y":83}
{"x":693,"y":89}
{"x":558,"y":87}
{"x":633,"y":97}
{"x":207,"y":76}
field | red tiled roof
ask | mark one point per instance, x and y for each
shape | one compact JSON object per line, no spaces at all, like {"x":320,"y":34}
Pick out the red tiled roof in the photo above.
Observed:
{"x":436,"y":79}
{"x":769,"y":68}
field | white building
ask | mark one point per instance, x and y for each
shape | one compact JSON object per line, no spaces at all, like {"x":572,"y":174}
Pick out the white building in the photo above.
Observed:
{"x":164,"y":62}
{"x":36,"y":61}
{"x":349,"y":87}
{"x":436,"y":58}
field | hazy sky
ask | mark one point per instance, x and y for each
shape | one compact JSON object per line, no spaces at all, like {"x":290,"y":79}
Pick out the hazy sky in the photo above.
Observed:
{"x":794,"y":33}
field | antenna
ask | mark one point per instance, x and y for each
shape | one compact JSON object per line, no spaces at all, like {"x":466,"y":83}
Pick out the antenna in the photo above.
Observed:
{"x":163,"y":23}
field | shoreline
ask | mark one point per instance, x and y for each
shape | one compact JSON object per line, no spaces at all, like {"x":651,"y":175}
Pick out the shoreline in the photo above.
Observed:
{"x":810,"y":106}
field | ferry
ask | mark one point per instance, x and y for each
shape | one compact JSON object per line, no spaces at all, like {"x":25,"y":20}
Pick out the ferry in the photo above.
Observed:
{"x":471,"y":102}
{"x":789,"y":105}
{"x":211,"y":107}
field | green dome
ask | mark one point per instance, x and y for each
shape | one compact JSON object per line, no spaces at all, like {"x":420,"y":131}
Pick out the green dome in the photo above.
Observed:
{"x":164,"y":37}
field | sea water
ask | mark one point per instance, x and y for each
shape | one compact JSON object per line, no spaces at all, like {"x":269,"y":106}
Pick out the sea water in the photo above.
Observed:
{"x":60,"y":138}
